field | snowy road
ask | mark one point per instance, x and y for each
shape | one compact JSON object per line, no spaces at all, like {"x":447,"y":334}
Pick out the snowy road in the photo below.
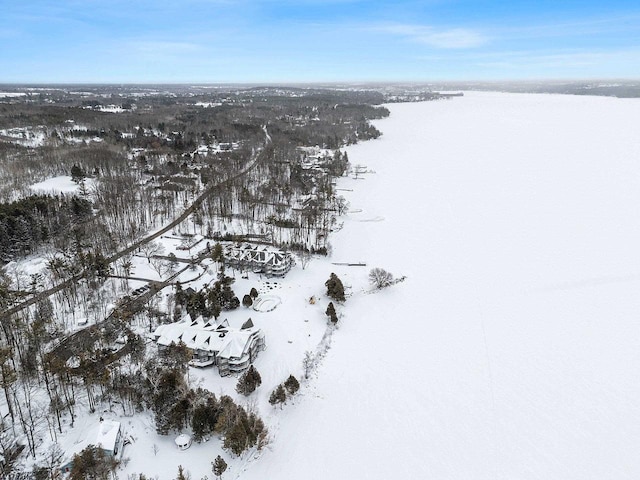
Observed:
{"x":512,"y":350}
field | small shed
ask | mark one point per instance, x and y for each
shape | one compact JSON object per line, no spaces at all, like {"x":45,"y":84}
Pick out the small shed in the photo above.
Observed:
{"x":183,"y":441}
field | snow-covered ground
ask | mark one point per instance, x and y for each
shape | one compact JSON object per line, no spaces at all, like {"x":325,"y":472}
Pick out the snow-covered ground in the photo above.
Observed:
{"x":512,"y":350}
{"x":61,"y":184}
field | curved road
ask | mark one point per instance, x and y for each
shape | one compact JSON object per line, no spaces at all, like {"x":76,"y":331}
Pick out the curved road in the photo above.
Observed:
{"x":258,"y":156}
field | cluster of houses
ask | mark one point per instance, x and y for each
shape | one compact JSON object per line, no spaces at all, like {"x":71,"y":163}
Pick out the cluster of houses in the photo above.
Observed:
{"x":232,"y":350}
{"x":314,"y":158}
{"x":259,"y":259}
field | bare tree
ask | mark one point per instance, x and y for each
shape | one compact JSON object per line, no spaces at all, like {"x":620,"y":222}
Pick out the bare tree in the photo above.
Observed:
{"x":380,"y":278}
{"x":160,"y":266}
{"x":150,"y":249}
{"x":305,"y":258}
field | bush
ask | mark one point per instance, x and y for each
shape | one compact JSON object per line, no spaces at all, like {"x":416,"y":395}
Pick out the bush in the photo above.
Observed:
{"x":331,"y":313}
{"x":335,"y":289}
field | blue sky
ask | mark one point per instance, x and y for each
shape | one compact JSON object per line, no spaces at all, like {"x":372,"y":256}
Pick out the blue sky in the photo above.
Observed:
{"x":312,"y":40}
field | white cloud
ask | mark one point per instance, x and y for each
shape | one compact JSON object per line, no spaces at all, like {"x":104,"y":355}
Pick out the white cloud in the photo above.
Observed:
{"x":452,"y":38}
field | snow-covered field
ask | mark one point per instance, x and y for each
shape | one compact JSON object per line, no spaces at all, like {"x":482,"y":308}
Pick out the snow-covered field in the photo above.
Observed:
{"x":512,"y":350}
{"x":61,"y":184}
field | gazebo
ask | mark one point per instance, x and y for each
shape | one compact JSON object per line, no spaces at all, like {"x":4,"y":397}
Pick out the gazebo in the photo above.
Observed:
{"x":183,"y":441}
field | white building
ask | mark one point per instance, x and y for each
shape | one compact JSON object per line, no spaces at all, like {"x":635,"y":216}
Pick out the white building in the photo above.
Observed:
{"x":259,"y":259}
{"x":109,"y":437}
{"x":232,"y":350}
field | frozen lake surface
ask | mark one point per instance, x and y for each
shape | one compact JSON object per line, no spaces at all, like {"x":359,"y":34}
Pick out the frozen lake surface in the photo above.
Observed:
{"x":512,"y":350}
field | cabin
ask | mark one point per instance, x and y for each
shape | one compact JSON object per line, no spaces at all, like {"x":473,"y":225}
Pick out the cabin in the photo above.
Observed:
{"x":108,"y":436}
{"x":232,"y":350}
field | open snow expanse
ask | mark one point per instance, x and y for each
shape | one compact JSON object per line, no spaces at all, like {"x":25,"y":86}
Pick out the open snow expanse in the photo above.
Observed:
{"x":512,"y":350}
{"x":61,"y":184}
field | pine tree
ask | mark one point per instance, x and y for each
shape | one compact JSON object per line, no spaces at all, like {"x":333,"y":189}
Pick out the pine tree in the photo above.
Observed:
{"x":248,"y":382}
{"x":181,"y":474}
{"x":77,"y":173}
{"x":219,"y":466}
{"x":253,"y":292}
{"x":217,"y":254}
{"x":247,"y":301}
{"x":335,"y":289}
{"x":278,"y":396}
{"x":292,"y":385}
{"x":331,"y":313}
{"x":92,"y":463}
{"x":237,"y":439}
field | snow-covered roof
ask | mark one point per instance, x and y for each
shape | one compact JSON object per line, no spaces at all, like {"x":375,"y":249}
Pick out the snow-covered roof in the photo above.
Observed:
{"x":183,"y":439}
{"x":226,"y":343}
{"x":255,"y":254}
{"x":107,"y":434}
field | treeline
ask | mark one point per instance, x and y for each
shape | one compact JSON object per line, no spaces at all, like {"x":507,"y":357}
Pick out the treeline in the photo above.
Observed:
{"x":135,"y":191}
{"x":27,"y":223}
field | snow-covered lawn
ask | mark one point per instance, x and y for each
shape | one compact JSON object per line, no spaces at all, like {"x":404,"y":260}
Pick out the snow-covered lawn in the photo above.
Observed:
{"x":512,"y":350}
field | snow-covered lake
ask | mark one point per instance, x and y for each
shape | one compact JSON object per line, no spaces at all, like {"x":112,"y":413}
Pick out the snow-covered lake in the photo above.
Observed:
{"x":513,"y":348}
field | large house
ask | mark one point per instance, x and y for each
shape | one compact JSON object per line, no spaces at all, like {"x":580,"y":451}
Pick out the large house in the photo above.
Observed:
{"x":259,"y":259}
{"x":232,"y":350}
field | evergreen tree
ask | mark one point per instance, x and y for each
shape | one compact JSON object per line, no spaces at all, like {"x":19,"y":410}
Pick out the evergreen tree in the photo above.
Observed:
{"x":77,"y":173}
{"x":216,"y":310}
{"x":248,"y":382}
{"x":253,"y":292}
{"x":217,"y":254}
{"x":237,"y":439}
{"x":181,"y":474}
{"x":278,"y":396}
{"x":92,"y":463}
{"x":292,"y":385}
{"x":219,"y":466}
{"x":204,"y":414}
{"x":335,"y":289}
{"x":247,"y":301}
{"x":331,"y":313}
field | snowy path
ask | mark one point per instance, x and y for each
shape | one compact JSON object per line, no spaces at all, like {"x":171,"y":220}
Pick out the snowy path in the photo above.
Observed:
{"x":512,"y":350}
